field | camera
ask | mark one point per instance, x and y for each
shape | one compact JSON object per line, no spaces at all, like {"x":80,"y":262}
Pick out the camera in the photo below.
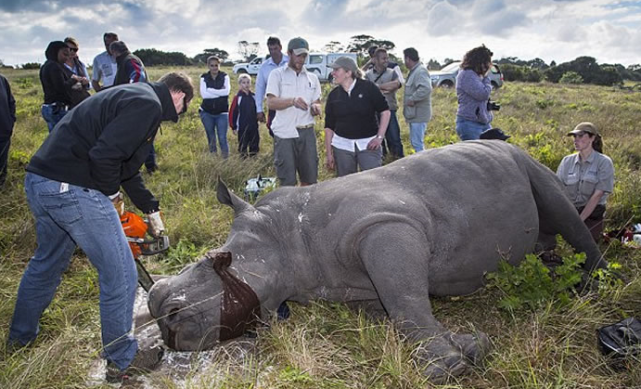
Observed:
{"x":493,"y":105}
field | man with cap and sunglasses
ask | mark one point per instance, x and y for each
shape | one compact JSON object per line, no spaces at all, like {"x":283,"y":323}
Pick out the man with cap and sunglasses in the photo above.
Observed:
{"x":588,"y":176}
{"x":294,"y":93}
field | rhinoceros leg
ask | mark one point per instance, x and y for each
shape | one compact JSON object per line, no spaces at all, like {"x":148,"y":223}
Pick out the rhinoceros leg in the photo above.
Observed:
{"x":396,"y":257}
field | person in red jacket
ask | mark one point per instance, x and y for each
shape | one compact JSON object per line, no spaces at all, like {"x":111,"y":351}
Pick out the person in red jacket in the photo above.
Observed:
{"x":243,"y":119}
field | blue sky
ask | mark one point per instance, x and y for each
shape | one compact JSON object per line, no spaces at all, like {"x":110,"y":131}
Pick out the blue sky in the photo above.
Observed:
{"x":559,"y":30}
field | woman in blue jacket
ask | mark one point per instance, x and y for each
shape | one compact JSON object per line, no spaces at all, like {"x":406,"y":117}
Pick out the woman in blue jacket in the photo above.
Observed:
{"x":473,"y":91}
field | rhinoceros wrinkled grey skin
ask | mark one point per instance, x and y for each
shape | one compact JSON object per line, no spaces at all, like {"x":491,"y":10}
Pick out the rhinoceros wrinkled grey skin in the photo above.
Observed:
{"x":432,"y":223}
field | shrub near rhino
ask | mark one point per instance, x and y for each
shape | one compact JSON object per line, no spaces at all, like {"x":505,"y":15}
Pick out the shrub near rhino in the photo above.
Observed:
{"x":328,"y":345}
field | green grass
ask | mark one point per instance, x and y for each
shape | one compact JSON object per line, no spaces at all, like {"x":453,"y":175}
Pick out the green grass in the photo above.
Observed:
{"x":327,"y":345}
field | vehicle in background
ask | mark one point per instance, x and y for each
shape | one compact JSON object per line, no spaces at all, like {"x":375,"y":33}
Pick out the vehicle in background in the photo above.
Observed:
{"x":251,"y":67}
{"x":318,"y":63}
{"x":446,"y":77}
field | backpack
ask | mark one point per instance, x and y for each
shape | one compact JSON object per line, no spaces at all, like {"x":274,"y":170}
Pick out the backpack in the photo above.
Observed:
{"x":620,"y":340}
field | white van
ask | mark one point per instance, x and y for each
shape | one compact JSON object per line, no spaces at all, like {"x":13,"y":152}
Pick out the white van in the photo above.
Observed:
{"x":318,"y":63}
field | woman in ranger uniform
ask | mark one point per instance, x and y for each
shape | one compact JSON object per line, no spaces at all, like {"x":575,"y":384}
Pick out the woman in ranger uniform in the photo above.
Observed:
{"x":588,"y":176}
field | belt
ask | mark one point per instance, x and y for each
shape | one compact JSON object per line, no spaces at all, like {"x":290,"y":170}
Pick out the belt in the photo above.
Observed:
{"x":60,"y":106}
{"x":305,"y":127}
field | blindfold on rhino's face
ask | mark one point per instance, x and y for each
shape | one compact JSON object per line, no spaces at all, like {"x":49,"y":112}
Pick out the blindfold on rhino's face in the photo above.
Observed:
{"x":240,"y":307}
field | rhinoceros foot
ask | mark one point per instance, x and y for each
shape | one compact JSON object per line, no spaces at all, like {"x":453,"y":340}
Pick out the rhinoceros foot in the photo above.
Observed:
{"x":473,"y":346}
{"x":452,"y":355}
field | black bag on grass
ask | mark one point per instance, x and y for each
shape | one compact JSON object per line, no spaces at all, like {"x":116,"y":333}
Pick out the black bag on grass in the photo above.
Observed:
{"x":620,"y":340}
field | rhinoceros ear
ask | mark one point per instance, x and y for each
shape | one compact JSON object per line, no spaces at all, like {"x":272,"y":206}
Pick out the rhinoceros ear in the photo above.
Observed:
{"x":228,"y":198}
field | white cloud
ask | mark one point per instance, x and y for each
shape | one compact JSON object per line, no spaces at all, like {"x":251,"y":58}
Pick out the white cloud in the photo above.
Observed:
{"x":561,"y":30}
{"x":442,"y":19}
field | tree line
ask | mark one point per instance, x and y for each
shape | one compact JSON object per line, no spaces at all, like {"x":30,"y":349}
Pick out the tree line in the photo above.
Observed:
{"x":582,"y":70}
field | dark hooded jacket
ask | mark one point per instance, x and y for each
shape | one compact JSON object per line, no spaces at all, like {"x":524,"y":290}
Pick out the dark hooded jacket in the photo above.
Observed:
{"x":56,"y":82}
{"x":102,"y":143}
{"x":7,"y":109}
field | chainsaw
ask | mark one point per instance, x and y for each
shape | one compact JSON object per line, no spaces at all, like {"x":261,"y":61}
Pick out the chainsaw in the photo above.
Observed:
{"x":142,"y":244}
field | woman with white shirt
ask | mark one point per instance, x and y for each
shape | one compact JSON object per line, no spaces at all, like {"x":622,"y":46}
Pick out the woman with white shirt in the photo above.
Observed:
{"x":353,"y":135}
{"x":214,"y":89}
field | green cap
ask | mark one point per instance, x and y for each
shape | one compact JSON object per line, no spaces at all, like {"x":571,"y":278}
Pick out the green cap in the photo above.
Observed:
{"x":586,"y":127}
{"x":298,"y":46}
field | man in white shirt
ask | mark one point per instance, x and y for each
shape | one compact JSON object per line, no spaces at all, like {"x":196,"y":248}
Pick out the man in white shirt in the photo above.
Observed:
{"x":104,"y":65}
{"x":295,"y":95}
{"x":276,"y":59}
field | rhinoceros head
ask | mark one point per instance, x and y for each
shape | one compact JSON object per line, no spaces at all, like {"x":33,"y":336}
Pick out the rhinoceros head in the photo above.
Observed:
{"x":206,"y":302}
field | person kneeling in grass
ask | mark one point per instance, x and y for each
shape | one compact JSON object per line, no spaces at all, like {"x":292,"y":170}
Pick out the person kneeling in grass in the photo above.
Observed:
{"x":243,"y":119}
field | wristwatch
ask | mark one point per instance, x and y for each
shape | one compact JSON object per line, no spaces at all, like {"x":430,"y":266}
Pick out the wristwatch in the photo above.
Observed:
{"x":379,"y":137}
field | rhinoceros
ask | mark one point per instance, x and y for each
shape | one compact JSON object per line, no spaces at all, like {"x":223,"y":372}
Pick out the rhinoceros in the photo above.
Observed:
{"x":430,"y":224}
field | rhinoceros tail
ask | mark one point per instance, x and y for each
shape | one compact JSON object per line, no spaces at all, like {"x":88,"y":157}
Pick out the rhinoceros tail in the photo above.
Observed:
{"x":557,"y":215}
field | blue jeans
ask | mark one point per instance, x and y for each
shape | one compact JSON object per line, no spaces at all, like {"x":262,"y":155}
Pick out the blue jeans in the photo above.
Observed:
{"x":469,"y":129}
{"x":417,"y":135}
{"x":393,"y":136}
{"x":216,"y":126}
{"x":65,"y":217}
{"x":52,"y":115}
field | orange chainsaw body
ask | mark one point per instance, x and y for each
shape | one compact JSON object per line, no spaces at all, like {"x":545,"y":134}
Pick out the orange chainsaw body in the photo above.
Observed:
{"x":135,"y":230}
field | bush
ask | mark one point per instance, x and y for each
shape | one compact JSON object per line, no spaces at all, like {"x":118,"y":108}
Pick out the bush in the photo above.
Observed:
{"x":532,"y":285}
{"x":533,"y":75}
{"x":520,"y":73}
{"x":571,"y":78}
{"x":589,"y":70}
{"x":31,"y":65}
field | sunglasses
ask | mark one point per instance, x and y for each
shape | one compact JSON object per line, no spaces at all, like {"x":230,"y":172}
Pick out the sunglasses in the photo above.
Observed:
{"x":184,"y":107}
{"x":73,"y":49}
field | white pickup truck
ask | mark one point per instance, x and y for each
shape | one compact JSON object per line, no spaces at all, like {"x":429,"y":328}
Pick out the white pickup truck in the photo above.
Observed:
{"x":248,"y":67}
{"x":318,"y":63}
{"x":446,"y":77}
{"x":315,"y":62}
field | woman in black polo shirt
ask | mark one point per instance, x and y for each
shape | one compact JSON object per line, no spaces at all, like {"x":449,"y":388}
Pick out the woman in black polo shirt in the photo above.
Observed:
{"x":353,"y":135}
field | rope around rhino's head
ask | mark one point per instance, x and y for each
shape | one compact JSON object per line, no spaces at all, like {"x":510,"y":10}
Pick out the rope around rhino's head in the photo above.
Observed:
{"x":203,"y":305}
